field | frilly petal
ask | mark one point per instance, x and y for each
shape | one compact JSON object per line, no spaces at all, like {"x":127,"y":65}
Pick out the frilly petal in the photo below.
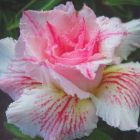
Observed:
{"x":111,"y":35}
{"x":16,"y":79}
{"x":131,"y":40}
{"x":51,"y":114}
{"x":43,"y":73}
{"x":69,"y":7}
{"x":117,"y":98}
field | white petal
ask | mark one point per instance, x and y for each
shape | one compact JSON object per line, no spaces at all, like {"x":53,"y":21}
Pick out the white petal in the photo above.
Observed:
{"x":111,"y":34}
{"x":131,"y":40}
{"x":118,"y":97}
{"x":7,"y":50}
{"x":53,"y":115}
{"x":16,"y":79}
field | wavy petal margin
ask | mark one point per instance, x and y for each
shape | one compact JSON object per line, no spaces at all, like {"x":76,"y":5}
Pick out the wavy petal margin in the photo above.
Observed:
{"x":131,"y":40}
{"x":16,"y":78}
{"x":118,"y":96}
{"x":52,"y":114}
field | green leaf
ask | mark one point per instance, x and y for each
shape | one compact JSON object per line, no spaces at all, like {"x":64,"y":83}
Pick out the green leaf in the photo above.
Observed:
{"x":50,"y":4}
{"x":78,"y":4}
{"x":122,"y":2}
{"x":98,"y":135}
{"x":91,"y":4}
{"x":134,"y":56}
{"x":17,"y":133}
{"x":125,"y":13}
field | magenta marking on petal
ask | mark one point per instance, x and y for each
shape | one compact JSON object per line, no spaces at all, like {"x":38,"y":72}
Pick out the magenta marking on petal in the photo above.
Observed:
{"x":119,"y":84}
{"x":49,"y":117}
{"x":90,"y":74}
{"x":61,"y":113}
{"x":71,"y":118}
{"x":105,"y":35}
{"x":52,"y":32}
{"x":29,"y":59}
{"x":119,"y":78}
{"x":35,"y":24}
{"x":62,"y":117}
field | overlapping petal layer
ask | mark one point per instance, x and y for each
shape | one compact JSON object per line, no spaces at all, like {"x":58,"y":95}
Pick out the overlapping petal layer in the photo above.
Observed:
{"x":65,"y":41}
{"x":24,"y":74}
{"x":52,"y":114}
{"x":111,"y":34}
{"x":16,"y":79}
{"x":59,"y":59}
{"x":117,"y":39}
{"x":42,"y":73}
{"x":118,"y":96}
{"x":131,"y":40}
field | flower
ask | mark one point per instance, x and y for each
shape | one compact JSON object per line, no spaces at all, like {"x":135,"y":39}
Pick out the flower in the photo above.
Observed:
{"x":57,"y":76}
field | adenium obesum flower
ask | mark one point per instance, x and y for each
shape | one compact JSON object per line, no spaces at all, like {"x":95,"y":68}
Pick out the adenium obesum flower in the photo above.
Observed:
{"x":57,"y":74}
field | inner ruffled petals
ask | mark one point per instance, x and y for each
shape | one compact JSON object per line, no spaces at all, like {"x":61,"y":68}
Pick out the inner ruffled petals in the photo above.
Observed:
{"x":72,"y":50}
{"x":70,"y":46}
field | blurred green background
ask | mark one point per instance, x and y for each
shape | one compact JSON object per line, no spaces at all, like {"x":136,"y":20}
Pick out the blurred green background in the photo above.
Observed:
{"x":10,"y":13}
{"x":11,"y":10}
